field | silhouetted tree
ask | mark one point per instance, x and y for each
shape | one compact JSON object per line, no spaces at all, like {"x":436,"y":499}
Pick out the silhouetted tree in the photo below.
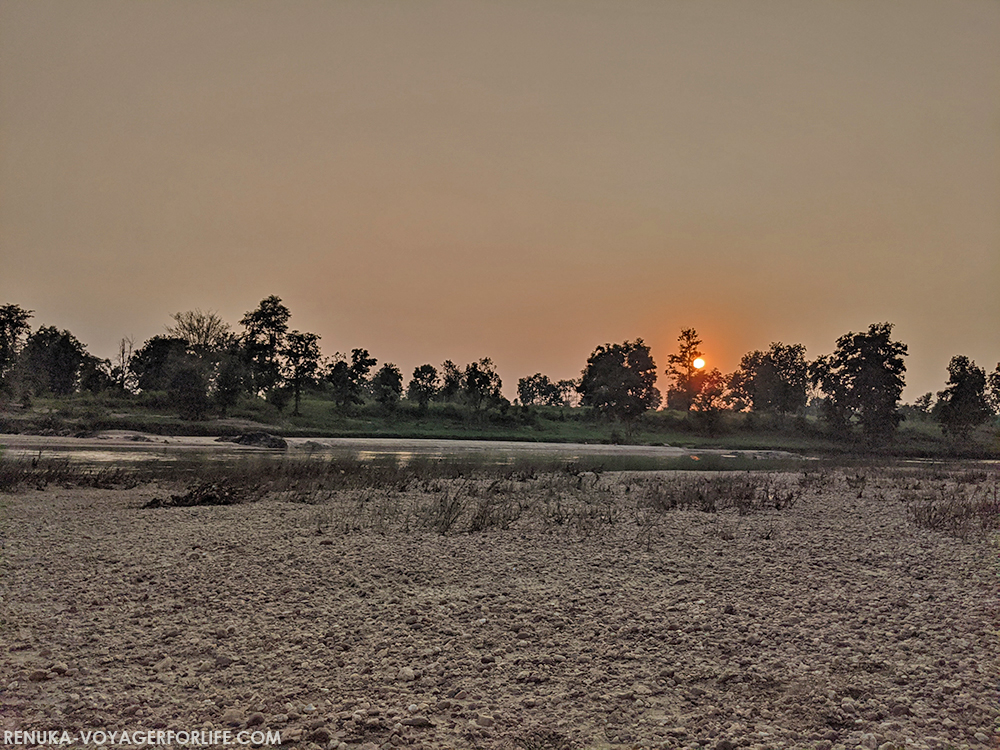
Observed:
{"x":774,"y":380}
{"x":481,"y":385}
{"x":963,"y":401}
{"x":711,"y":389}
{"x":263,"y":339}
{"x":451,"y":381}
{"x":188,"y":389}
{"x":96,"y":375}
{"x":682,"y":372}
{"x":620,"y":380}
{"x":300,"y":363}
{"x":387,"y":385}
{"x":423,"y":385}
{"x":14,"y":329}
{"x":203,"y":331}
{"x":924,"y":403}
{"x":710,"y":400}
{"x":157,"y":360}
{"x":570,"y":390}
{"x":863,"y":377}
{"x":231,"y":377}
{"x":538,"y":390}
{"x":122,"y":373}
{"x":52,"y":360}
{"x":993,"y":389}
{"x":348,"y":381}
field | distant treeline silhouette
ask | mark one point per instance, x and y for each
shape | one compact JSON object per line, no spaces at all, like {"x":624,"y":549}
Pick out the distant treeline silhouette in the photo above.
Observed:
{"x":203,"y":366}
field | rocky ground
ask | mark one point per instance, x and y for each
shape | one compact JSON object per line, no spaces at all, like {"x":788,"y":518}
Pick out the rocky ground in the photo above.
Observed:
{"x":349,"y":623}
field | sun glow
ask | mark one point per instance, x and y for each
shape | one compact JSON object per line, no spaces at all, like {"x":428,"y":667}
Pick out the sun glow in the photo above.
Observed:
{"x":698,"y":363}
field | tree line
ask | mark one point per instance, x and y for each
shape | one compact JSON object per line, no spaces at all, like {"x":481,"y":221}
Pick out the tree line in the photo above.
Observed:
{"x":858,"y":385}
{"x":204,"y":366}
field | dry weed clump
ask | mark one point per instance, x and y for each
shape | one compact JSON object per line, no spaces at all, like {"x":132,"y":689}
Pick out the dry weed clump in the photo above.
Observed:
{"x":965,"y":510}
{"x":39,"y":473}
{"x":744,"y":493}
{"x":202,"y":494}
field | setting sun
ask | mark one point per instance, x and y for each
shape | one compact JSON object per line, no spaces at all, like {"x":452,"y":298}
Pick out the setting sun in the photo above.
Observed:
{"x":698,"y":363}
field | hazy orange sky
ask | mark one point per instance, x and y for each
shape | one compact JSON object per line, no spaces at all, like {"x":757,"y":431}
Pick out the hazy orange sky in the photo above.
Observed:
{"x":518,"y":180}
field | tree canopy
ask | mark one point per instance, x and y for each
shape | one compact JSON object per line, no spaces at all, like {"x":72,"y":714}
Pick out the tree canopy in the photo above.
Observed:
{"x":539,"y":390}
{"x":387,"y":385}
{"x":300,"y":356}
{"x":681,"y":371}
{"x":203,"y":331}
{"x":620,"y":380}
{"x":423,"y":386}
{"x":963,"y":403}
{"x":864,"y":377}
{"x":53,"y":360}
{"x":481,"y":385}
{"x":775,"y":380}
{"x":263,"y":339}
{"x":14,"y":329}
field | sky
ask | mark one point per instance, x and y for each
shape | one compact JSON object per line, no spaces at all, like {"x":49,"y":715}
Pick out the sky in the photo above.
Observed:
{"x":517,"y":180}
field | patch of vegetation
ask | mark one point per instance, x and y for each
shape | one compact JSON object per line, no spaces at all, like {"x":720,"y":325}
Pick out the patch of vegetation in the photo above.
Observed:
{"x":39,"y":473}
{"x":744,"y":493}
{"x":967,"y":508}
{"x":203,"y":494}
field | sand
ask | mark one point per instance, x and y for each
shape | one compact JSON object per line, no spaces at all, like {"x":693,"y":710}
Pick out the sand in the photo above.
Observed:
{"x":836,"y":623}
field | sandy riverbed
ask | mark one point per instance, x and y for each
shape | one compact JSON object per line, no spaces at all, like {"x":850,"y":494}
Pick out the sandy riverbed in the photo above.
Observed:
{"x":835,"y":623}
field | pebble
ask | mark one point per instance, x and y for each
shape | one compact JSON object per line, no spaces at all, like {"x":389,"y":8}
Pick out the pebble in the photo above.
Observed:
{"x":417,"y":721}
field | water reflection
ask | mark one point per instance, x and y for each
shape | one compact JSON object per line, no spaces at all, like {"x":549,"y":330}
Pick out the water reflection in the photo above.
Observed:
{"x":104,"y":451}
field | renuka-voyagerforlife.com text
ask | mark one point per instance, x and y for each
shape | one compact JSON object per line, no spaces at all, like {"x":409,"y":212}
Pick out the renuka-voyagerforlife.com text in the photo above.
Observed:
{"x":162,"y":737}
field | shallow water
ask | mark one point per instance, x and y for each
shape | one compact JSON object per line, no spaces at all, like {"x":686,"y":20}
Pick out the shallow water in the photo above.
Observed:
{"x":128,"y":449}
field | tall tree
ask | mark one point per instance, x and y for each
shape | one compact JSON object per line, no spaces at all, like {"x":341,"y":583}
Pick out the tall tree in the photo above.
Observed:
{"x":538,"y":390}
{"x":52,"y":360}
{"x":924,"y":404}
{"x":993,"y":389}
{"x":481,"y":385}
{"x":569,"y":390}
{"x":13,"y":330}
{"x":188,"y":389}
{"x":231,"y":376}
{"x":203,"y":331}
{"x":864,"y":377}
{"x":620,"y":380}
{"x":451,"y":381}
{"x":263,"y":339}
{"x":387,"y":385}
{"x":963,"y":401}
{"x":348,"y":381}
{"x":682,"y":372}
{"x":157,"y":360}
{"x":300,"y":362}
{"x":774,"y":380}
{"x":122,"y":372}
{"x":711,"y":391}
{"x":423,"y":385}
{"x":97,"y":375}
